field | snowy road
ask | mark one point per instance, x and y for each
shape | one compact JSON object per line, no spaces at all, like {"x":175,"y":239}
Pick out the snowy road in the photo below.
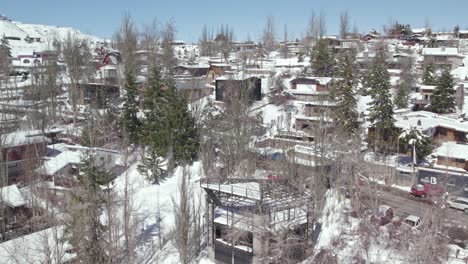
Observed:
{"x":405,"y":204}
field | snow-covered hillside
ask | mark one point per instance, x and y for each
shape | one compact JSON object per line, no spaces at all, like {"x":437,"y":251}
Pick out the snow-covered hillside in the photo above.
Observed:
{"x":26,"y":38}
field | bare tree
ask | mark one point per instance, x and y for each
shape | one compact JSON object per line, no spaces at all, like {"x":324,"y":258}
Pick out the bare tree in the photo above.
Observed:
{"x":168,"y":59}
{"x":312,"y":30}
{"x":77,"y":57}
{"x":187,"y":215}
{"x":322,"y":24}
{"x":344,"y":24}
{"x":284,"y":47}
{"x":151,"y":43}
{"x":269,"y":35}
{"x":126,"y":41}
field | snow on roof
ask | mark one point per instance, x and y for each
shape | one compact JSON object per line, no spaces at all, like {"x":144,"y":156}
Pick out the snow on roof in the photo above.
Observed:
{"x":11,"y":196}
{"x":444,"y":51}
{"x":245,"y":189}
{"x":225,"y":217}
{"x":428,"y":120}
{"x":427,"y":87}
{"x":40,"y":247}
{"x":452,"y":150}
{"x":419,"y":30}
{"x":290,"y":62}
{"x":57,"y":163}
{"x":23,"y":137}
{"x":461,"y":73}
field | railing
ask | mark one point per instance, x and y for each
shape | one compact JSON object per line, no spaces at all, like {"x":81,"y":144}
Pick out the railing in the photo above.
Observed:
{"x":226,"y":186}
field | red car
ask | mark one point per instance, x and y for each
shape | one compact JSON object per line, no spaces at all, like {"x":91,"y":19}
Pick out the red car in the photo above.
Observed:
{"x":424,"y":190}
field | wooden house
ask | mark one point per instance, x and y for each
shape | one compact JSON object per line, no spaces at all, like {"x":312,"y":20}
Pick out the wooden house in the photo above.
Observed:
{"x":310,"y":88}
{"x":443,"y":57}
{"x":97,"y":94}
{"x":14,"y":211}
{"x":21,"y":150}
{"x":452,"y":154}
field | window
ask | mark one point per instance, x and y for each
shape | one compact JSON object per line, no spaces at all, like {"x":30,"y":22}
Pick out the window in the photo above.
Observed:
{"x":442,"y":131}
{"x":26,"y":61}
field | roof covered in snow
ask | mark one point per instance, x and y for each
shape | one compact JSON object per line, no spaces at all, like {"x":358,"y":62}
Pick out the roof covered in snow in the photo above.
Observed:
{"x":441,"y":52}
{"x":46,"y":246}
{"x":426,"y":120}
{"x":452,"y":150}
{"x":23,"y":137}
{"x":11,"y":196}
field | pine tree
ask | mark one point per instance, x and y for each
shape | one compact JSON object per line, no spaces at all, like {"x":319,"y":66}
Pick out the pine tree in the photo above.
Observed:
{"x":429,"y":77}
{"x":422,"y":143}
{"x":84,"y":230}
{"x":130,"y":120}
{"x":402,"y":96}
{"x":401,"y":99}
{"x":443,"y":98}
{"x":5,"y":48}
{"x":345,"y":115}
{"x":381,"y":108}
{"x":169,"y":129}
{"x":322,"y":59}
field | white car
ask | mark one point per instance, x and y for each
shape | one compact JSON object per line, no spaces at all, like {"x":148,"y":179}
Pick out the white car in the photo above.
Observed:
{"x":412,"y":220}
{"x":459,"y":203}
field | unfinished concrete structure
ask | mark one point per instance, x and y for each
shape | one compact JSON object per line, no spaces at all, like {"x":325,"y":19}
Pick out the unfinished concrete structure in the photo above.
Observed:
{"x":257,"y":221}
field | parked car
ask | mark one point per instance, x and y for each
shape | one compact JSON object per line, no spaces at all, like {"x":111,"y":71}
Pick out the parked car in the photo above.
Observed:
{"x":412,"y":220}
{"x":424,"y":190}
{"x":459,"y":203}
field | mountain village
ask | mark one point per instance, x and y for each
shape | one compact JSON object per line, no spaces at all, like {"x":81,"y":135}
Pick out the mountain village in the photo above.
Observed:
{"x":346,"y":148}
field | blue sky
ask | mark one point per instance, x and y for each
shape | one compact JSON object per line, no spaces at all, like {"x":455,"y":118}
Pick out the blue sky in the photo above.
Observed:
{"x":247,"y":17}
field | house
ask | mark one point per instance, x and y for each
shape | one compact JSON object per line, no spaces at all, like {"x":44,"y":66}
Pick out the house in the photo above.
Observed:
{"x":30,"y":248}
{"x":109,"y":75}
{"x":21,"y":151}
{"x":463,"y":34}
{"x":310,"y":89}
{"x":14,"y":211}
{"x":443,"y":57}
{"x":245,"y":207}
{"x":97,"y":94}
{"x":452,"y":154}
{"x":314,"y":114}
{"x":67,"y":159}
{"x":193,"y":89}
{"x":191,"y":70}
{"x":439,"y":128}
{"x":217,"y":69}
{"x":424,"y":97}
{"x":238,"y":85}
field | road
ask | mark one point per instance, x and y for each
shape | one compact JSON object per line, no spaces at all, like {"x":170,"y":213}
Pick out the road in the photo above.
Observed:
{"x":405,"y":204}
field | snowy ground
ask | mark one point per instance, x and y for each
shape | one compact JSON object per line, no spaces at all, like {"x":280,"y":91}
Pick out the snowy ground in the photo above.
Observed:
{"x":147,"y":198}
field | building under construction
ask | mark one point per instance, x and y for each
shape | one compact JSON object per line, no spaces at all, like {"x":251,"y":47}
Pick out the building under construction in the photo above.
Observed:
{"x":257,"y":221}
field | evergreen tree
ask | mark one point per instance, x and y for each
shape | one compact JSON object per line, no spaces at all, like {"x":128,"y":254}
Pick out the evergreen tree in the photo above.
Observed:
{"x":401,"y":99}
{"x":5,"y":48}
{"x":346,"y":114}
{"x":130,"y":120}
{"x":402,"y":96}
{"x":429,"y":77}
{"x":169,"y":129}
{"x":422,"y":143}
{"x":84,"y":230}
{"x":381,"y":108}
{"x":322,"y":59}
{"x":443,"y":98}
